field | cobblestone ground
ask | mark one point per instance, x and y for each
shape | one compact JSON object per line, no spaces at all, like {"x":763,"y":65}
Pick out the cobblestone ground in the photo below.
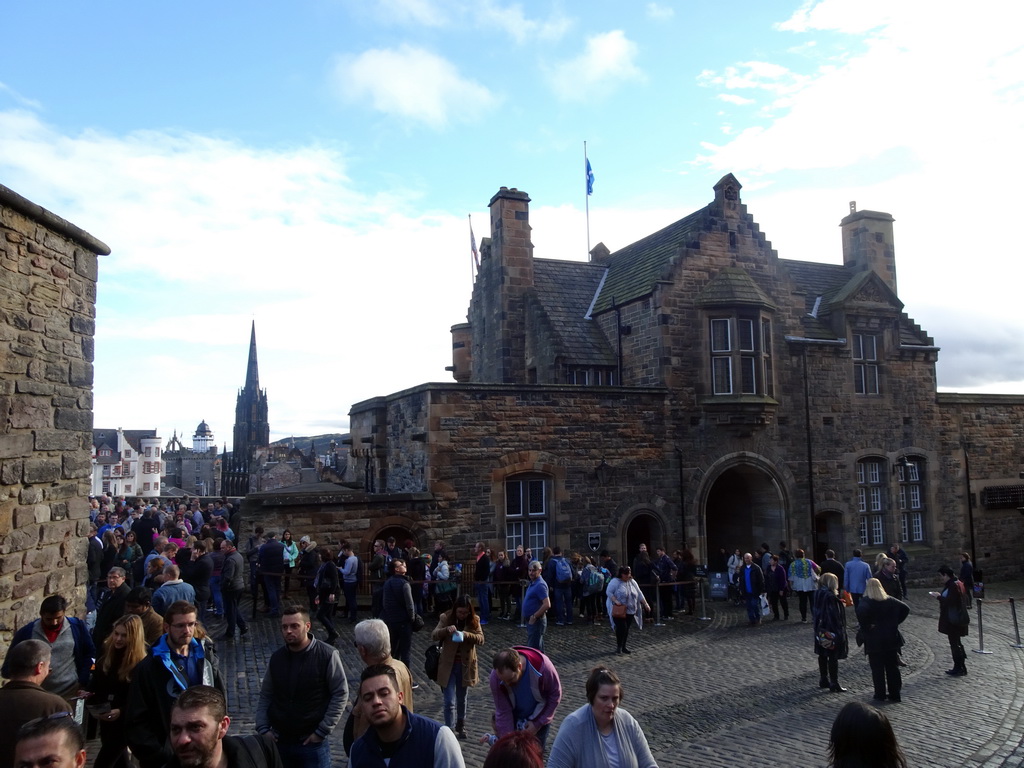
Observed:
{"x":718,"y":693}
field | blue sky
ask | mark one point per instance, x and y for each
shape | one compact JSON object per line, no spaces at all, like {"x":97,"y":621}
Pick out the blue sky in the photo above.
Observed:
{"x":311,"y":166}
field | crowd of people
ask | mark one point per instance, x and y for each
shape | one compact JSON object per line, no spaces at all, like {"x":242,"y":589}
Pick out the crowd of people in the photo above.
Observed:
{"x":146,"y":670}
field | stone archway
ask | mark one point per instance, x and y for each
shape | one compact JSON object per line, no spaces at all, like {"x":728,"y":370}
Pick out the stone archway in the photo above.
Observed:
{"x":644,"y":528}
{"x":743,"y":508}
{"x":401,"y":533}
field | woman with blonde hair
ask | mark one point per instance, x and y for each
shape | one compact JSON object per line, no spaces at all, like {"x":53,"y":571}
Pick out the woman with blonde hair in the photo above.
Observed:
{"x":123,"y":649}
{"x":880,"y":616}
{"x":830,"y":641}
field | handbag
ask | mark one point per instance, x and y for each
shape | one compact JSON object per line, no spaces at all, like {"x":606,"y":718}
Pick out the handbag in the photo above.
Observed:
{"x":432,"y":661}
{"x":765,"y":608}
{"x":619,"y":611}
{"x":826,"y":640}
{"x":846,"y":598}
{"x":417,"y":623}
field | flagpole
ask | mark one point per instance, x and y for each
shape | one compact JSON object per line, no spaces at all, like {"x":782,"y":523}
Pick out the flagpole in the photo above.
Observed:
{"x":474,"y":258}
{"x":586,"y":194}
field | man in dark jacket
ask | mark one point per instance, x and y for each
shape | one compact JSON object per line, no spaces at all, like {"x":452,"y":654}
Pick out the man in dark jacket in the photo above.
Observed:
{"x":232,"y":585}
{"x":304,"y":694}
{"x":23,"y":698}
{"x":481,"y":581}
{"x":199,"y":727}
{"x":111,"y":605}
{"x":271,"y":568}
{"x":751,"y":585}
{"x":177,"y":662}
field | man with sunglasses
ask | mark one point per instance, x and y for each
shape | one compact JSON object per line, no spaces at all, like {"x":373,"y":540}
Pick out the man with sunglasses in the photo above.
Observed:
{"x":55,"y":741}
{"x":178,"y":661}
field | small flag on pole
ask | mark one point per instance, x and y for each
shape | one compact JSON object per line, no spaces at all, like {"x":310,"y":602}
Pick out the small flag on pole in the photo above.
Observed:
{"x":472,"y":245}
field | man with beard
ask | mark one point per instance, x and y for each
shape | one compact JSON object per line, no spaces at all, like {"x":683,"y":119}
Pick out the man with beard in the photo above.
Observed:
{"x":199,"y":727}
{"x":304,"y":694}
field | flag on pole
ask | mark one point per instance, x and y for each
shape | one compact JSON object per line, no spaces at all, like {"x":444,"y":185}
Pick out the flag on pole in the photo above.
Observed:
{"x":590,"y":178}
{"x":472,"y":245}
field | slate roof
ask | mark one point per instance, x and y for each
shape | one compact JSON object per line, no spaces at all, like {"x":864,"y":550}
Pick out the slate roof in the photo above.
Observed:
{"x":633,"y":270}
{"x":733,"y":286}
{"x":564,"y":291}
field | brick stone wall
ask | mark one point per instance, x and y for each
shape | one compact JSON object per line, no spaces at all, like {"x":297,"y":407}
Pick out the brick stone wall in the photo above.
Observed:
{"x":48,"y":271}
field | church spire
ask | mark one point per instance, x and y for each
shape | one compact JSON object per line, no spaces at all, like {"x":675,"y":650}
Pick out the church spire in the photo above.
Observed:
{"x":252,"y":373}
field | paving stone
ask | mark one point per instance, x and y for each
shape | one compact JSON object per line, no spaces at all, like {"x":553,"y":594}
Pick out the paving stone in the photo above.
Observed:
{"x":720,"y":694}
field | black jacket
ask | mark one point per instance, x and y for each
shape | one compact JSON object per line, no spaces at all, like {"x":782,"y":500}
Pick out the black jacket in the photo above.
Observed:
{"x":880,"y":621}
{"x":110,"y":611}
{"x":756,"y":580}
{"x":247,"y":752}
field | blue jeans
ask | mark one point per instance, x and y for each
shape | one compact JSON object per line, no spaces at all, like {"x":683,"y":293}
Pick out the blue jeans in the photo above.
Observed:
{"x":215,"y":591}
{"x":455,"y":697}
{"x":349,"y":587}
{"x":483,"y":599}
{"x":535,"y":633}
{"x":273,"y":587}
{"x":754,"y":609}
{"x":563,"y":605}
{"x":299,"y":755}
{"x":232,"y":615}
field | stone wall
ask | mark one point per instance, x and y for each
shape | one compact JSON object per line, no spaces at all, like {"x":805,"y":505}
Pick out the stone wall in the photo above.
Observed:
{"x":48,"y":273}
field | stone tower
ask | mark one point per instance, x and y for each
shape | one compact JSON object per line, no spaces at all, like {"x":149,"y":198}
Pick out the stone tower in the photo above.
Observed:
{"x":252,"y":430}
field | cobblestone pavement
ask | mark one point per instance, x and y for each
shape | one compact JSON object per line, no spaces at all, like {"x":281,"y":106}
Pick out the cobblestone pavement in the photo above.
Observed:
{"x":718,"y":693}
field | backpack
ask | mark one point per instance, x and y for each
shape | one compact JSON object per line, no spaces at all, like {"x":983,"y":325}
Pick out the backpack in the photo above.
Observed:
{"x":595,"y":582}
{"x":359,"y":571}
{"x":563,"y":572}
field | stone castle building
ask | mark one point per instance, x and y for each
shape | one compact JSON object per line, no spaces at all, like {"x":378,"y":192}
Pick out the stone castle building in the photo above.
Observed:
{"x":48,"y":270}
{"x":691,"y":388}
{"x":196,"y":469}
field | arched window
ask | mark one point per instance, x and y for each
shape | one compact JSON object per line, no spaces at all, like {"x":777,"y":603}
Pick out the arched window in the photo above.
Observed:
{"x":527,"y":499}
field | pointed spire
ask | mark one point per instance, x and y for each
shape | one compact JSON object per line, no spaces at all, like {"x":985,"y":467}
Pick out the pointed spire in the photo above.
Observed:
{"x":252,"y":372}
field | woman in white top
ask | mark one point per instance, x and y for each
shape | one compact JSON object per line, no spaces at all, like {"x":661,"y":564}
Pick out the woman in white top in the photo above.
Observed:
{"x":626,"y":599}
{"x":601,"y":734}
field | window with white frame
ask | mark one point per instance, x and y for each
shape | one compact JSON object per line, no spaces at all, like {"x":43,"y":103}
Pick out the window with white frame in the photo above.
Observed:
{"x":526,"y":512}
{"x":741,"y":355}
{"x":865,"y":364}
{"x":911,"y":493}
{"x":871,"y":498}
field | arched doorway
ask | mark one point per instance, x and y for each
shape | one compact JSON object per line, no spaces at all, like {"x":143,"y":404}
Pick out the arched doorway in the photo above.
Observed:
{"x":644,"y":528}
{"x":828,"y":534}
{"x":744,"y":508}
{"x":401,"y":534}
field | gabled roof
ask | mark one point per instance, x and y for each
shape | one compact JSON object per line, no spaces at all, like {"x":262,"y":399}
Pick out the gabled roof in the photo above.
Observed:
{"x":564,"y":291}
{"x":733,"y":286}
{"x":634,"y":270}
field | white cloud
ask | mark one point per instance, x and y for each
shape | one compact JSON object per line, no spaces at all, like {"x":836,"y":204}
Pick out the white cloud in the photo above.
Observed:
{"x":732,"y":98}
{"x":207,"y":235}
{"x":659,"y":12}
{"x":411,"y":83}
{"x":512,"y":20}
{"x":608,"y":61}
{"x":419,"y":12}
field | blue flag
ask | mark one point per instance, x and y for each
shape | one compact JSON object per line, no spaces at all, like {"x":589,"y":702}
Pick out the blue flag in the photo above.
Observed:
{"x":590,"y":178}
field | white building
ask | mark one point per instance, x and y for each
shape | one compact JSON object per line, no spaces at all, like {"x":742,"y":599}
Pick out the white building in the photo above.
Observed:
{"x":126,"y":462}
